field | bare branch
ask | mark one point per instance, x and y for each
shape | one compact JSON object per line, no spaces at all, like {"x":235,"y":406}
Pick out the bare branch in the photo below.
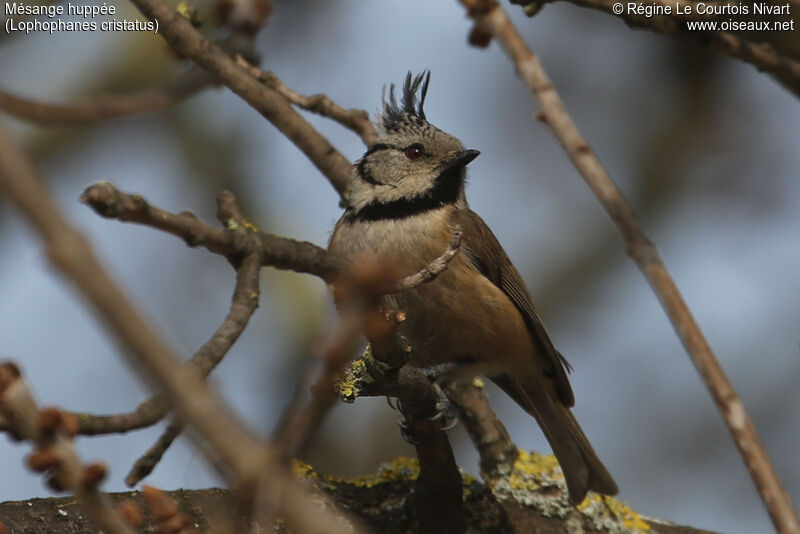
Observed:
{"x":496,"y":450}
{"x":279,"y":252}
{"x":244,"y":304}
{"x":356,"y":120}
{"x":434,"y":268}
{"x":186,"y":41}
{"x":239,"y":456}
{"x":54,"y":452}
{"x":107,"y":107}
{"x":150,"y":458}
{"x":493,"y":21}
{"x":184,"y":387}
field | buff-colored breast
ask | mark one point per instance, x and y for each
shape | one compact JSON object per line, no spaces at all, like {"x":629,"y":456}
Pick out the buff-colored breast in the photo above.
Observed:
{"x":460,"y":315}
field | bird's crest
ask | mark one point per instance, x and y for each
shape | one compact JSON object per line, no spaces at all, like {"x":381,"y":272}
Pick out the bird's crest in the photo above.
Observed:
{"x":409,"y":113}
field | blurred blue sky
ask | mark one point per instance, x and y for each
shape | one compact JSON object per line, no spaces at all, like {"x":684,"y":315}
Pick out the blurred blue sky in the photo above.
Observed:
{"x":726,"y":223}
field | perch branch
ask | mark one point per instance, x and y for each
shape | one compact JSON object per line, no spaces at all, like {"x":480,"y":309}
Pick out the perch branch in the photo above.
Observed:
{"x":496,"y":450}
{"x":188,"y":42}
{"x":493,"y":21}
{"x":382,"y":372}
{"x":357,"y":293}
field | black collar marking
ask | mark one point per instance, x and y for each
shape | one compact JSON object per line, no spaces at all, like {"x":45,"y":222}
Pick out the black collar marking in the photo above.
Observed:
{"x":445,"y":191}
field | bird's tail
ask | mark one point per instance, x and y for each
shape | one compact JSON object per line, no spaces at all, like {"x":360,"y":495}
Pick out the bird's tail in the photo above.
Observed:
{"x":582,"y":469}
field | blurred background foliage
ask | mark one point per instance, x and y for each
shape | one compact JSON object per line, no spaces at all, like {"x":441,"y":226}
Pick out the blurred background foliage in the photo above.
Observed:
{"x":705,"y":148}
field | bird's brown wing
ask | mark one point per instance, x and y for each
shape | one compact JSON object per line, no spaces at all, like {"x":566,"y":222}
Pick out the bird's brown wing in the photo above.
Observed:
{"x":483,"y":250}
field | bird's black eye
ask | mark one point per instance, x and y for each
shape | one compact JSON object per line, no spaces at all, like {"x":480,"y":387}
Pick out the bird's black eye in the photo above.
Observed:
{"x":414,"y":151}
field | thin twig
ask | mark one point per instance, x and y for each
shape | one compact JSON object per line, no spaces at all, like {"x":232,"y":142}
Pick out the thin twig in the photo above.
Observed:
{"x":54,"y":453}
{"x":494,"y":21}
{"x":243,"y":305}
{"x":235,"y":241}
{"x":188,"y":42}
{"x":108,"y":106}
{"x":363,"y":286}
{"x":239,"y":456}
{"x":274,"y":251}
{"x":150,"y":458}
{"x":356,"y":120}
{"x":148,"y":353}
{"x":434,"y":268}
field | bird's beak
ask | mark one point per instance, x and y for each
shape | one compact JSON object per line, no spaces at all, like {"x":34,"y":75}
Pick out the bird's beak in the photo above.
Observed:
{"x":461,"y":159}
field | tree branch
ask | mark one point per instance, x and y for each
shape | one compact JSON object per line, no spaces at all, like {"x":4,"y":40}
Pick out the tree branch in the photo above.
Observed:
{"x":381,"y":500}
{"x":496,"y":450}
{"x":147,"y":352}
{"x":492,"y":20}
{"x":107,"y":107}
{"x":356,"y":120}
{"x":244,"y":304}
{"x":434,"y":268}
{"x":249,"y":463}
{"x":233,"y":242}
{"x":381,"y":372}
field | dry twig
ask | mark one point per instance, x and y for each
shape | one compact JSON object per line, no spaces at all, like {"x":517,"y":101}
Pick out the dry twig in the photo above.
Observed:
{"x":273,"y":251}
{"x":243,"y":305}
{"x":358,"y":292}
{"x":356,"y":120}
{"x":434,"y":268}
{"x":147,"y":352}
{"x":492,"y":20}
{"x":243,"y":459}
